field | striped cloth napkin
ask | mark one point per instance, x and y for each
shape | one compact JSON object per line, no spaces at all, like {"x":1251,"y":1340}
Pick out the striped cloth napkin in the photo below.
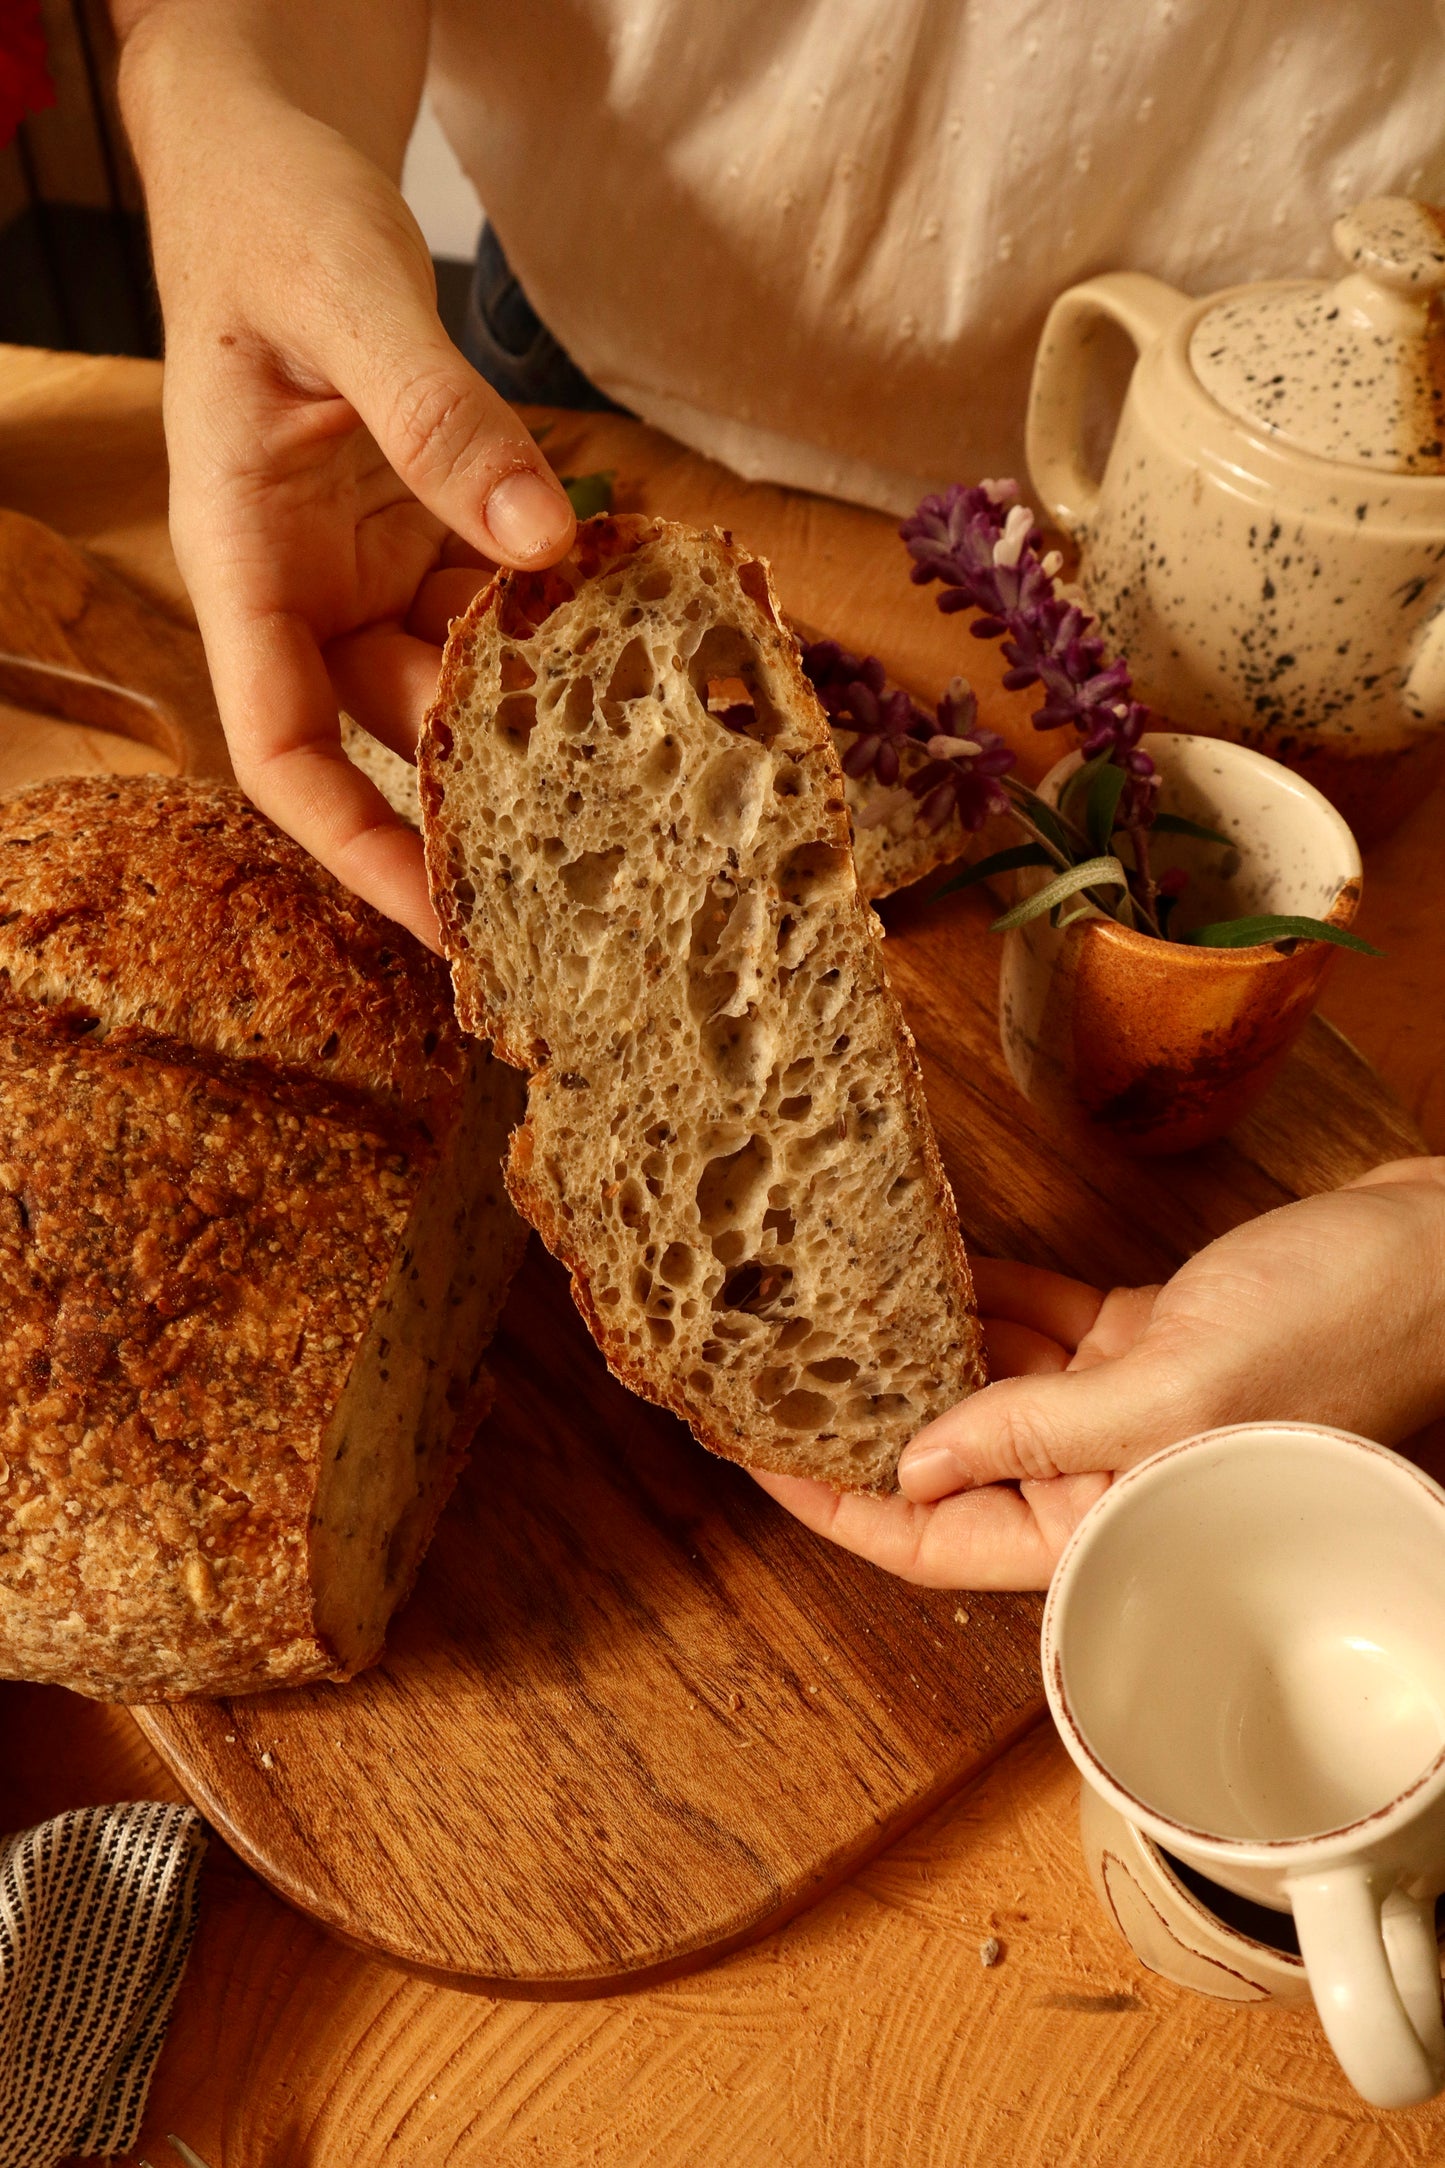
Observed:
{"x":97,"y":1910}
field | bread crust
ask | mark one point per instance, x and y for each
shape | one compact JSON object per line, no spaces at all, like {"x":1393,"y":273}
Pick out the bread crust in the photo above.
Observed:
{"x":178,"y":907}
{"x":511,"y":608}
{"x":223,"y":1083}
{"x":184,"y":1249}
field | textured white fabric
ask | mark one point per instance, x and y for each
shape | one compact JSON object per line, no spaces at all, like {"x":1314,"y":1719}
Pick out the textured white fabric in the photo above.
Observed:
{"x":97,"y":1910}
{"x":817,"y":238}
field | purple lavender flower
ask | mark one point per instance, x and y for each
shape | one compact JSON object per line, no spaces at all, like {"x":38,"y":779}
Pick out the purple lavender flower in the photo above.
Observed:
{"x":962,"y":776}
{"x":855,"y":695}
{"x":983,"y":549}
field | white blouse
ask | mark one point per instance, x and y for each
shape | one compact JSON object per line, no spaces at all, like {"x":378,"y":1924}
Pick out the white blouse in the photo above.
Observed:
{"x":817,"y":238}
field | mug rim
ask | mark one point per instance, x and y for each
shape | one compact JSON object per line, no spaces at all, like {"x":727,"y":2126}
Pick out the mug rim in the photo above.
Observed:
{"x":1273,"y":772}
{"x":1287,"y":1854}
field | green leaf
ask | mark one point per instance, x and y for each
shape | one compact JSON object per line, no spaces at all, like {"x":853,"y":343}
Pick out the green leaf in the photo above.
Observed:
{"x":1080,"y":780}
{"x":1094,"y":873}
{"x":1105,"y":792}
{"x":589,"y":493}
{"x":1047,"y":821}
{"x":1174,"y":824}
{"x":1022,"y":854}
{"x":1255,"y":932}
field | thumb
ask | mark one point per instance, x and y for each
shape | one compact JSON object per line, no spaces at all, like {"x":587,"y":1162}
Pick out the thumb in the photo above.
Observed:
{"x":457,"y":445}
{"x":1068,"y":1422}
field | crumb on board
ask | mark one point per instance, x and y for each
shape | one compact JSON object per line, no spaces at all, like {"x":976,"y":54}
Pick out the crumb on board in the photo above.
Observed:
{"x":961,"y":1617}
{"x":990,"y":1950}
{"x":268,"y":1760}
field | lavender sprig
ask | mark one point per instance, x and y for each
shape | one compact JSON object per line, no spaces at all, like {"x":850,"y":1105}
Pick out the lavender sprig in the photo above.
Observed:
{"x":982,"y":546}
{"x":961,"y":777}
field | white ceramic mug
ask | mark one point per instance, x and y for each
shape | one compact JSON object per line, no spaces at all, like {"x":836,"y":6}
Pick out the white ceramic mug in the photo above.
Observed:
{"x":1244,"y":1652}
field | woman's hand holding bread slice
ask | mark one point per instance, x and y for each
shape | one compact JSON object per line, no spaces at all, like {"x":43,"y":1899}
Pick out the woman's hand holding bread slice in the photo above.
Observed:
{"x":1331,"y":1310}
{"x":335,"y":463}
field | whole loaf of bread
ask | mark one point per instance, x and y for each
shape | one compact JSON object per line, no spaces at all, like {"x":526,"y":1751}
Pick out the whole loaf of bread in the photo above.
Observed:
{"x":253,"y":1242}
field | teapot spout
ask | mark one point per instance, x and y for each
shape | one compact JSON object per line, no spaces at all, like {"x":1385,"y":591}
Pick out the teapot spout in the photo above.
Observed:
{"x":1424,"y":682}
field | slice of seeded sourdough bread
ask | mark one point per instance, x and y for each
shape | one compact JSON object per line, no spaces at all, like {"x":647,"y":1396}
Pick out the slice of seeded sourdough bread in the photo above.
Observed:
{"x":253,"y":1242}
{"x":638,"y":848}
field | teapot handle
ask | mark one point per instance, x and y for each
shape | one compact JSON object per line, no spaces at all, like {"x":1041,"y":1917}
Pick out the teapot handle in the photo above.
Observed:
{"x":1143,"y":307}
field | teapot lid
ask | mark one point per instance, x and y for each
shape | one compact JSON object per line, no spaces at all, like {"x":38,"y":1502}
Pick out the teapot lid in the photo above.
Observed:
{"x":1353,"y":372}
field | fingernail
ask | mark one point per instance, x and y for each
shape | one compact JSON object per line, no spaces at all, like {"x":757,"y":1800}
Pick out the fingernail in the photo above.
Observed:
{"x":526,"y":516}
{"x":930,"y":1467}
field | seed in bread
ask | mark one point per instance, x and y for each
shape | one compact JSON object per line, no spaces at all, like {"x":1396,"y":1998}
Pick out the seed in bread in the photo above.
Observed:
{"x":253,"y":1241}
{"x":638,"y":847}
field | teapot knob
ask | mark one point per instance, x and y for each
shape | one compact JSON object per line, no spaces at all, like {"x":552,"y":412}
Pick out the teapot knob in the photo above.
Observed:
{"x":1395,"y":243}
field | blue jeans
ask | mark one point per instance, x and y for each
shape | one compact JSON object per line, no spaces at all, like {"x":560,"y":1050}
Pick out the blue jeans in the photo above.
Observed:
{"x":507,"y":342}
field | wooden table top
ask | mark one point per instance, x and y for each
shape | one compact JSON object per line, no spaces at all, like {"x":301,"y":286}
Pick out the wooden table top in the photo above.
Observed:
{"x":867,"y":2034}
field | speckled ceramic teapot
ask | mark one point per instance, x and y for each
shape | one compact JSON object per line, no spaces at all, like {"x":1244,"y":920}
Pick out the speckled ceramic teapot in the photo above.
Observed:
{"x":1266,"y":544}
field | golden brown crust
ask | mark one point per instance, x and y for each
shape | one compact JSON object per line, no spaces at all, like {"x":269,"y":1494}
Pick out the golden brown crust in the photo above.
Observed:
{"x":178,"y":906}
{"x":223,"y":1084}
{"x":188,"y":1252}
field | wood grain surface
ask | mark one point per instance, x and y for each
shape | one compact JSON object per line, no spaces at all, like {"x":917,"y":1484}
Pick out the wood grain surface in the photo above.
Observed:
{"x":633,"y":1714}
{"x":81,"y":646}
{"x":866,"y":2034}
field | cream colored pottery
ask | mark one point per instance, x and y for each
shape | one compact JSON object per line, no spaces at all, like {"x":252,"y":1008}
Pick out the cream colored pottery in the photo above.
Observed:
{"x":1244,"y":1652}
{"x":1171,"y":1928}
{"x":1162,"y":1045}
{"x":1166,"y":1925}
{"x":1266,"y":544}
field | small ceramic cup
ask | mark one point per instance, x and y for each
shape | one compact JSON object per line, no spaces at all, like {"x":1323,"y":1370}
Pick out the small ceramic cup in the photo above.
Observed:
{"x":1244,"y":1652}
{"x":1161,"y":1044}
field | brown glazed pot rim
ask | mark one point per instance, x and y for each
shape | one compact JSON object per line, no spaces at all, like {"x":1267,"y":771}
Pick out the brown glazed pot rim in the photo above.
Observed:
{"x":1258,"y":956}
{"x":1262,"y":954}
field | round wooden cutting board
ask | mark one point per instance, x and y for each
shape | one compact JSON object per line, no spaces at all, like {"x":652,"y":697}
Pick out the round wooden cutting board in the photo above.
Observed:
{"x":634,"y":1715}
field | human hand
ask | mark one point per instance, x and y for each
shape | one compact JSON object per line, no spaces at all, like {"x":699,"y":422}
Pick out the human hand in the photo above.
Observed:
{"x":1331,"y":1310}
{"x":340,"y":477}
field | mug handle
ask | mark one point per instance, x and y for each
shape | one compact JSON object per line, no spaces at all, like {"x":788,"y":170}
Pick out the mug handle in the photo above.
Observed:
{"x":1143,"y":307}
{"x":1374,"y":1972}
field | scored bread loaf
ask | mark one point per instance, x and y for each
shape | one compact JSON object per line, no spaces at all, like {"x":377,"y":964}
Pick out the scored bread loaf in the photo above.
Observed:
{"x":253,"y":1241}
{"x":638,"y":848}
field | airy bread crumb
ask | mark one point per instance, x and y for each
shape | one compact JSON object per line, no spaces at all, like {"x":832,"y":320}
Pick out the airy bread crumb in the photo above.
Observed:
{"x":638,"y":847}
{"x":890,"y":849}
